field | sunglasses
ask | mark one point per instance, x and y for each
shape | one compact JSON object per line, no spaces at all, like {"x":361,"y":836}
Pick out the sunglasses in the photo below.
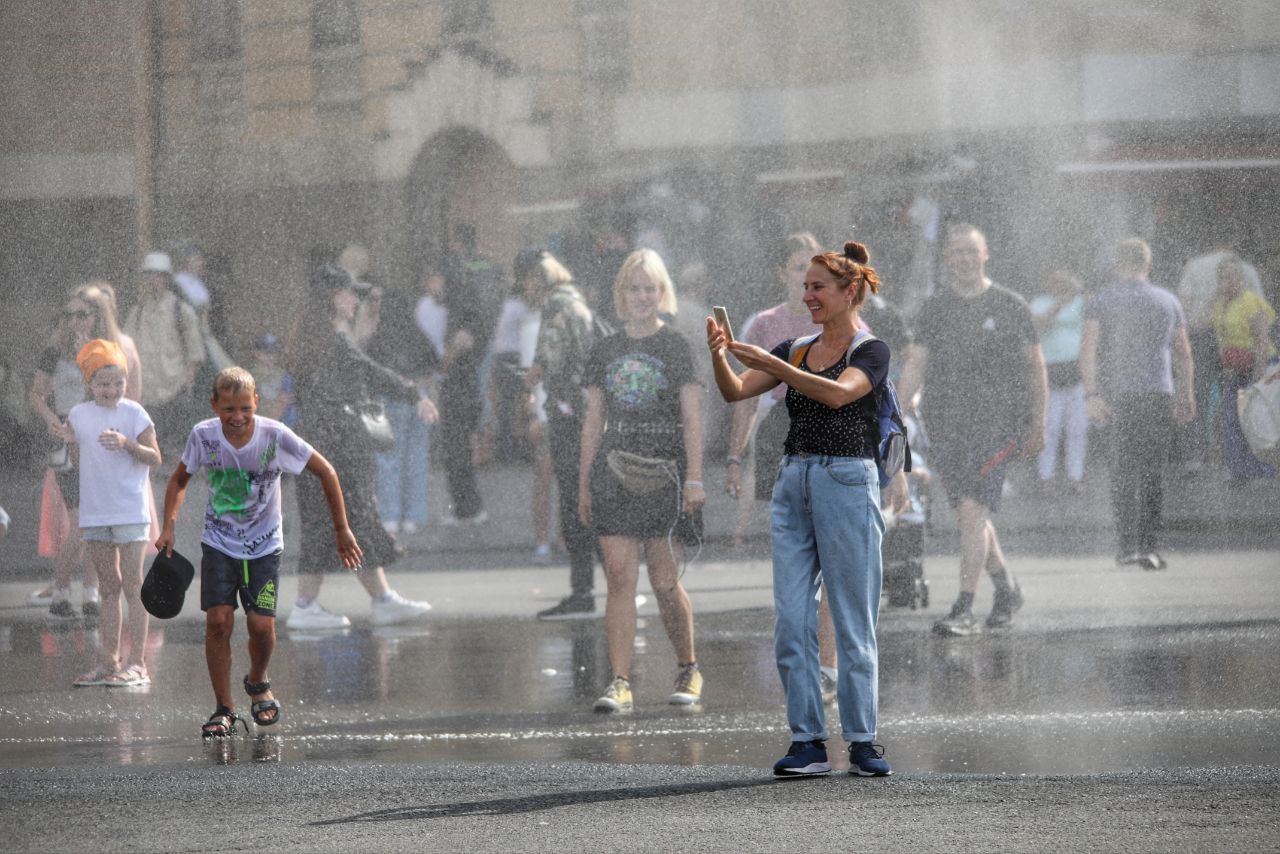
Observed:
{"x":78,"y":314}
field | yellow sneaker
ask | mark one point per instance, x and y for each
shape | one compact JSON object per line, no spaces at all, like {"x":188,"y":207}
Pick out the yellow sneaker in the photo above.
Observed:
{"x":688,"y":686}
{"x":617,"y":698}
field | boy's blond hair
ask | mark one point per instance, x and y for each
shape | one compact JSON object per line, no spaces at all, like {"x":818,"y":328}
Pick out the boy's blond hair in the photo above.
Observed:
{"x":234,"y":380}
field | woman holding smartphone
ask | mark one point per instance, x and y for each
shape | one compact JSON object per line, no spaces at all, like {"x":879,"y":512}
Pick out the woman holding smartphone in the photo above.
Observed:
{"x":826,"y":525}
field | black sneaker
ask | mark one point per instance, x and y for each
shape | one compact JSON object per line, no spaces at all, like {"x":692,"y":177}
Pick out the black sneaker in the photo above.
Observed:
{"x":959,"y":623}
{"x":1130,"y":559}
{"x":867,"y":760}
{"x":573,"y":606}
{"x":1003,"y":607}
{"x":803,"y":759}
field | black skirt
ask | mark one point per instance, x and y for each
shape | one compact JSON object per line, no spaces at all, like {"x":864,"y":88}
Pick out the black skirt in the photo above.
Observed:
{"x":319,"y":553}
{"x":616,"y":512}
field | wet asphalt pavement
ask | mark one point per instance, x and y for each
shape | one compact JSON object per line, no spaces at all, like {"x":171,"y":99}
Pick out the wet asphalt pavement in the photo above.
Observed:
{"x":1075,"y":729}
{"x":1125,"y":710}
{"x":495,"y":690}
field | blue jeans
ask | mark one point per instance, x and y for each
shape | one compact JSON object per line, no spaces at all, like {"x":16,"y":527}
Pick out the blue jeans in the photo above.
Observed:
{"x":827,"y":527}
{"x":402,"y":471}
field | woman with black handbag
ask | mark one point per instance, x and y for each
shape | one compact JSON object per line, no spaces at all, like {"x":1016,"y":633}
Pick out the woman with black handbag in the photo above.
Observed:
{"x":336,"y":384}
{"x":640,"y":475}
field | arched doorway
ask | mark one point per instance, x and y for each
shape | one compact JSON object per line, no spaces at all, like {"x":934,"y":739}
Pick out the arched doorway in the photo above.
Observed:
{"x":460,"y":176}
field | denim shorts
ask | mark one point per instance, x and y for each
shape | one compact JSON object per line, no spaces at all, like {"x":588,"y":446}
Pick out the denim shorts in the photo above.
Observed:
{"x":116,"y":534}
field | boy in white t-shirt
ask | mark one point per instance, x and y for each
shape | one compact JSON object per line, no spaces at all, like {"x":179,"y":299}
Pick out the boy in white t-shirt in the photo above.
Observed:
{"x":114,"y":448}
{"x":242,"y":540}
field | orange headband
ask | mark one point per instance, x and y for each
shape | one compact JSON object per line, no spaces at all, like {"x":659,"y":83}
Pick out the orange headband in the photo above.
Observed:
{"x":98,"y":354}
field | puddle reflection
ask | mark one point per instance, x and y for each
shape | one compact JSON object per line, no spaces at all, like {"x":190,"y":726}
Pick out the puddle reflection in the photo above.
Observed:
{"x":519,"y":690}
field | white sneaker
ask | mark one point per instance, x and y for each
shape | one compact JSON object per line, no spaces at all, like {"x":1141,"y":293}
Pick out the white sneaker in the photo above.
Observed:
{"x":397,"y":609}
{"x":315,"y":616}
{"x":391,"y":527}
{"x":42,"y":597}
{"x":409,"y":527}
{"x":542,"y":554}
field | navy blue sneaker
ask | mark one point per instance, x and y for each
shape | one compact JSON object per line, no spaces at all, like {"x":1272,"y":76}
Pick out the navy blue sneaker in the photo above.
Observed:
{"x":805,"y":758}
{"x":867,"y":760}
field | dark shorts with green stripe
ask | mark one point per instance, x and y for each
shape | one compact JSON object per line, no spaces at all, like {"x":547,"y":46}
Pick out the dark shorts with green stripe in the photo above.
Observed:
{"x":256,"y":580}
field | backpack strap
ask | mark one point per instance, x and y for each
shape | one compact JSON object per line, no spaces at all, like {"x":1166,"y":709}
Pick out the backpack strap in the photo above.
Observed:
{"x":860,"y":337}
{"x":799,"y":347}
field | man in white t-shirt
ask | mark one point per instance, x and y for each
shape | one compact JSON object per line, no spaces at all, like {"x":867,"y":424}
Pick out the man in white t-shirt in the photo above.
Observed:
{"x":242,"y":540}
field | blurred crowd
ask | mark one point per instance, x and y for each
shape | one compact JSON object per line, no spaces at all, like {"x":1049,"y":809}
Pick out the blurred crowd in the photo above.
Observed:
{"x":500,"y":348}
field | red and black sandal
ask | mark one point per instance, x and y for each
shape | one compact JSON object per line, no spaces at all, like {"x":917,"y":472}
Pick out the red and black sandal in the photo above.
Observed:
{"x":261,"y":709}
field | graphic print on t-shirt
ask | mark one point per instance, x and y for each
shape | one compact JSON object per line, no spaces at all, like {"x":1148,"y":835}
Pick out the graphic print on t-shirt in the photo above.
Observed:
{"x":636,"y":379}
{"x":229,"y":491}
{"x":243,"y":515}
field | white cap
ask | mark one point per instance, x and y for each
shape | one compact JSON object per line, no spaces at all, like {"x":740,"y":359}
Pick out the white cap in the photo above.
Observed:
{"x":157,"y":262}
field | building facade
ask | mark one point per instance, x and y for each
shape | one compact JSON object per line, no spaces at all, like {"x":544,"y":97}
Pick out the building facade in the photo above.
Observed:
{"x":273,"y":132}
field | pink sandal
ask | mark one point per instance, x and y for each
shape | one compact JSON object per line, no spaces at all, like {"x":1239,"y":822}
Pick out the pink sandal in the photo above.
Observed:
{"x":133,"y":676}
{"x":101,"y":675}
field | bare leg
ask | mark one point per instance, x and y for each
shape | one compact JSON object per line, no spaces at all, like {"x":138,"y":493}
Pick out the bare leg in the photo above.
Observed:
{"x":995,"y":554}
{"x":746,"y":499}
{"x":621,"y":571}
{"x":131,"y":580}
{"x":974,"y":543}
{"x":262,"y":642}
{"x":374,"y":581}
{"x":673,"y":601}
{"x":219,"y":621}
{"x":105,"y":559}
{"x":72,"y":553}
{"x":309,"y":584}
{"x":826,"y":633}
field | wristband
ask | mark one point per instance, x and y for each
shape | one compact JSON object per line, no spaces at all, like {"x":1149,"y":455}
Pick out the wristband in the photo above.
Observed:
{"x":696,"y":483}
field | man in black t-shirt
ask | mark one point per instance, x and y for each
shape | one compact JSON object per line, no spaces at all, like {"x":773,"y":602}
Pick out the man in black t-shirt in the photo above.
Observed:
{"x":977,"y":357}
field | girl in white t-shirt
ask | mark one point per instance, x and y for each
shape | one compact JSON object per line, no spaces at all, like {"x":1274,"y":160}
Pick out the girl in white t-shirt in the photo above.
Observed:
{"x":114,"y":448}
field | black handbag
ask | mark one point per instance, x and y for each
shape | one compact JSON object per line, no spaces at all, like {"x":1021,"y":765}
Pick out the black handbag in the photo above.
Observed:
{"x":373,"y":422}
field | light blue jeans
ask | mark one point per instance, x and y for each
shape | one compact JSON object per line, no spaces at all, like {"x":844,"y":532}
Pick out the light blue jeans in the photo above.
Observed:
{"x":402,"y":471}
{"x":826,"y":527}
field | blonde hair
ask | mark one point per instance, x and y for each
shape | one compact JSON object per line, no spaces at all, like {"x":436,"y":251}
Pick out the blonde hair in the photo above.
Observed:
{"x":551,"y":272}
{"x":647,"y":263}
{"x":1133,"y":255}
{"x":104,"y":303}
{"x":234,"y":380}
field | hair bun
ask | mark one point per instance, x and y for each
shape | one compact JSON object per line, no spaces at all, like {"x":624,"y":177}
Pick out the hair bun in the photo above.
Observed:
{"x":855,"y":251}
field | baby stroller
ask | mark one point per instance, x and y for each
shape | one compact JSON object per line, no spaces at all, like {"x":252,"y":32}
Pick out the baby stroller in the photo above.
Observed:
{"x":902,"y":551}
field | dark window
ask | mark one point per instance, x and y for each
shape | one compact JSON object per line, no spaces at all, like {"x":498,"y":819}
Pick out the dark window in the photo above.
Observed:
{"x":467,"y":17}
{"x":335,"y":23}
{"x":215,"y":26}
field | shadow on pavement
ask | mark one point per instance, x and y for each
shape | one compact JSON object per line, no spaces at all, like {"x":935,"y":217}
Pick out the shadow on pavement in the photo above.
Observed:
{"x":537,"y":803}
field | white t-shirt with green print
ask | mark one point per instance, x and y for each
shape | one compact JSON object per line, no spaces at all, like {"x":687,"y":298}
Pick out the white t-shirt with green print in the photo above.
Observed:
{"x":243,"y":516}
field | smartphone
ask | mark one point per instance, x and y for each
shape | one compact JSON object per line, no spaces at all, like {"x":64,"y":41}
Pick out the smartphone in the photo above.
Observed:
{"x":722,"y":318}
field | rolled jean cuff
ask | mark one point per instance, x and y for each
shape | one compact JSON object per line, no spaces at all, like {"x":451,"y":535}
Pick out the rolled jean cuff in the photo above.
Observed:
{"x":853,"y":737}
{"x":802,"y":737}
